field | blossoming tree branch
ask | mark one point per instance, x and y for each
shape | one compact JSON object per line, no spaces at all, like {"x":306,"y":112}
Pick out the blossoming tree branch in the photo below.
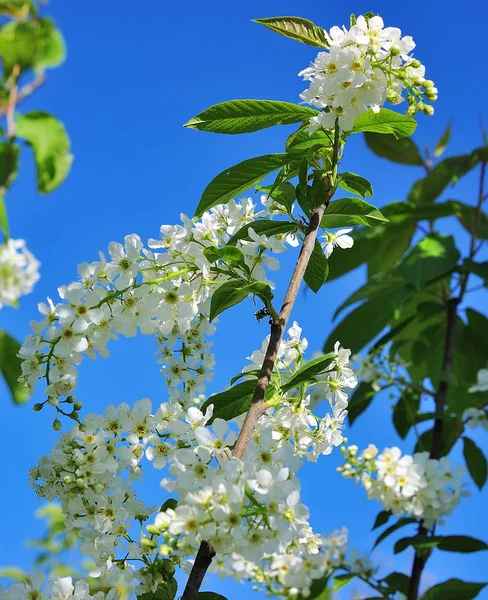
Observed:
{"x":231,"y":460}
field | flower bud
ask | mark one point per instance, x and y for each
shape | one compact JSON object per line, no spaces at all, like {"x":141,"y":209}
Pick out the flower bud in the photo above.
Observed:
{"x":164,"y":550}
{"x":168,"y":566}
{"x":78,"y":406}
{"x":56,"y":424}
{"x":53,"y":401}
{"x":70,"y":399}
{"x":67,"y":479}
{"x":74,"y":415}
{"x":37,"y":407}
{"x":429,"y":110}
{"x":148,"y":543}
{"x":153,"y":530}
{"x":415,"y":63}
{"x":395,"y":51}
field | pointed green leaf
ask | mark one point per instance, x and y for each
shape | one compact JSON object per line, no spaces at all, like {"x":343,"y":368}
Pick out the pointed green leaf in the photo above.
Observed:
{"x":432,"y":257}
{"x":351,"y":211}
{"x":283,"y":194}
{"x":341,"y":581}
{"x":403,"y":151}
{"x":233,"y":292}
{"x":389,"y":530}
{"x":309,"y":371}
{"x":51,"y":146}
{"x":296,"y":28}
{"x":475,"y":461}
{"x":3,"y":218}
{"x":239,"y":178}
{"x":453,"y":589}
{"x":355,"y":184}
{"x":382,"y":517}
{"x":234,"y":401}
{"x":461,"y":543}
{"x":359,"y":401}
{"x":385,"y":121}
{"x":444,"y":140}
{"x":245,"y":116}
{"x":210,"y":596}
{"x":302,"y":140}
{"x":10,"y":367}
{"x":317,"y":269}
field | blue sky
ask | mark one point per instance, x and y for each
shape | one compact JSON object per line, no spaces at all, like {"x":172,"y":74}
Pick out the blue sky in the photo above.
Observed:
{"x":135,"y":73}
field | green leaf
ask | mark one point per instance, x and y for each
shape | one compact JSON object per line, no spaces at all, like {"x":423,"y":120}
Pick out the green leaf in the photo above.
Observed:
{"x":475,"y":461}
{"x":9,"y":164}
{"x":461,"y":543}
{"x":385,"y":121}
{"x":469,"y":216}
{"x":421,"y":543}
{"x":433,"y":256}
{"x":210,"y":596}
{"x":262,"y":227}
{"x":29,"y":44}
{"x":10,"y":367}
{"x":14,"y":573}
{"x":318,"y":590}
{"x":49,"y":140}
{"x":389,"y":530}
{"x":164,"y":591}
{"x":19,"y":9}
{"x":376,"y":287}
{"x":244,"y":116}
{"x":302,"y":140}
{"x":169,"y":503}
{"x":226,"y":253}
{"x":359,"y":401}
{"x":341,"y":581}
{"x":397,"y":582}
{"x":382,"y":517}
{"x":364,"y":323}
{"x":443,"y":141}
{"x":233,"y":292}
{"x":283,"y":194}
{"x":447,"y":171}
{"x":234,"y":401}
{"x":238,"y":179}
{"x":351,"y":211}
{"x":309,"y":371}
{"x":404,"y":412}
{"x":317,"y":269}
{"x":453,"y":589}
{"x":3,"y":218}
{"x":355,"y":184}
{"x":296,"y":28}
{"x":403,"y":151}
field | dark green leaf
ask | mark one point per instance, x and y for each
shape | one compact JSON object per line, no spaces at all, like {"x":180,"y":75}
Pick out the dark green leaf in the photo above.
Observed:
{"x":397,"y":582}
{"x":318,"y":590}
{"x":164,"y":591}
{"x":389,"y":530}
{"x":9,"y":164}
{"x":447,"y":171}
{"x":239,"y":178}
{"x":233,"y":402}
{"x":244,"y":116}
{"x":404,"y":412}
{"x":403,"y":151}
{"x":296,"y":28}
{"x":3,"y":218}
{"x":170,"y":503}
{"x":461,"y":543}
{"x":233,"y":292}
{"x":309,"y":370}
{"x":359,"y":401}
{"x":351,"y":211}
{"x":385,"y":121}
{"x":382,"y":517}
{"x":479,"y":269}
{"x":10,"y":367}
{"x":226,"y":253}
{"x":475,"y":461}
{"x":469,"y":216}
{"x":421,"y":543}
{"x":453,"y":589}
{"x":317,"y":269}
{"x":355,"y":184}
{"x":51,"y":146}
{"x":210,"y":596}
{"x":302,"y":140}
{"x":432,"y":257}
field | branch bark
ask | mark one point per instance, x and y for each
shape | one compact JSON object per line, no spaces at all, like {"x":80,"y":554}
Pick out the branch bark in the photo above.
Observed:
{"x":25,"y":92}
{"x":258,"y":405}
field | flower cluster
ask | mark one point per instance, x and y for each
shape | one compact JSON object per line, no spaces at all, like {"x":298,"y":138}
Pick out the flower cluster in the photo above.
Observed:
{"x":163,"y":290}
{"x":61,"y":589}
{"x":417,"y":485}
{"x":365,"y":66}
{"x":476,"y":417}
{"x":19,"y":272}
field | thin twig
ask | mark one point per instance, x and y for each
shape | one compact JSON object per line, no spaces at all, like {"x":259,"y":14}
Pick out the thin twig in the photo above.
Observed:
{"x":25,"y":92}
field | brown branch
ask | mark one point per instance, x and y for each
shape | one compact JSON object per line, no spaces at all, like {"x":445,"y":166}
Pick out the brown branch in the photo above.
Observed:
{"x":25,"y":92}
{"x":12,"y":101}
{"x":438,"y":437}
{"x":258,"y":405}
